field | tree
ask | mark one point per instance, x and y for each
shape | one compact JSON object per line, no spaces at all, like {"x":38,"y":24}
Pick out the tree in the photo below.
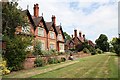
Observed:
{"x":16,"y":51}
{"x":67,"y":37}
{"x":11,"y":18}
{"x":102,"y":43}
{"x":116,"y":45}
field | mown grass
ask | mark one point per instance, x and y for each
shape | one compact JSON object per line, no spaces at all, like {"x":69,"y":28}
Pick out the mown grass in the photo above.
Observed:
{"x":97,"y":66}
{"x":31,"y":72}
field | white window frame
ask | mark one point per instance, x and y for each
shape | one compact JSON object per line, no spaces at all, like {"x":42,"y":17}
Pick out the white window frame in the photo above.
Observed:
{"x":60,"y":37}
{"x":26,"y":29}
{"x":42,"y":46}
{"x":52,"y":35}
{"x":61,"y":47}
{"x":52,"y":46}
{"x":40,"y":31}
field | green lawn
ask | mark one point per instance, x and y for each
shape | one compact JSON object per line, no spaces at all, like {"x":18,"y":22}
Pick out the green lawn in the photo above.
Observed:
{"x":97,"y":66}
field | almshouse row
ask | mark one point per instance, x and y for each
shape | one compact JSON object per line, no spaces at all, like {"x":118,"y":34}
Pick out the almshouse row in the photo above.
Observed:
{"x":48,"y":33}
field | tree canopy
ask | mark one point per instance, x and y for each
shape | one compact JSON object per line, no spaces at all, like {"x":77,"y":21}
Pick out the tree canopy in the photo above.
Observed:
{"x":67,"y":36}
{"x":11,"y":18}
{"x":102,"y":43}
{"x":116,"y":45}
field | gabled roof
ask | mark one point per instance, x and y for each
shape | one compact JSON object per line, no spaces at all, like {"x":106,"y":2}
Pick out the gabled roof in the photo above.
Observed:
{"x":49,"y":25}
{"x":26,"y":12}
{"x":37,"y":21}
{"x":77,"y":38}
{"x":58,"y":28}
{"x":68,"y":42}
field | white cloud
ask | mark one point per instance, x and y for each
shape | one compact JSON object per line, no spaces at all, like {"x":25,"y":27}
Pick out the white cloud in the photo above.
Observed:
{"x":102,"y":19}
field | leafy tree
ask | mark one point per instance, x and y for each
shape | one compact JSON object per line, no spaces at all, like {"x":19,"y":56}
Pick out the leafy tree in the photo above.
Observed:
{"x":67,"y":37}
{"x":16,"y":51}
{"x":102,"y":43}
{"x":11,"y":18}
{"x":116,"y":45}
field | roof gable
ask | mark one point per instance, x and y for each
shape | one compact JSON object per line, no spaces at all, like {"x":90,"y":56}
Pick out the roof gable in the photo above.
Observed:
{"x":59,"y":30}
{"x":27,"y":13}
{"x":77,"y":39}
{"x":37,"y":21}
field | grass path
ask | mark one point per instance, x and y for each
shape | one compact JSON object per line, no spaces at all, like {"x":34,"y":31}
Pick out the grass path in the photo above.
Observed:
{"x":32,"y":72}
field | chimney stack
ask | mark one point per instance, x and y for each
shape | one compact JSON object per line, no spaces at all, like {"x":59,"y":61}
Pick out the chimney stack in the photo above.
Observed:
{"x":80,"y":34}
{"x":75,"y":33}
{"x":54,"y":19}
{"x":84,"y":37}
{"x":72,"y":35}
{"x":36,"y":10}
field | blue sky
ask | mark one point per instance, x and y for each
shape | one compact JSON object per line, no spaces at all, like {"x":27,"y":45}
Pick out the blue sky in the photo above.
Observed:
{"x":91,"y":17}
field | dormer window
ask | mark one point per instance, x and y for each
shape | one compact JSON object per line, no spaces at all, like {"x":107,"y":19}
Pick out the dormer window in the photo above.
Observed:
{"x":26,"y":29}
{"x":40,"y":31}
{"x":60,"y":37}
{"x":52,"y":35}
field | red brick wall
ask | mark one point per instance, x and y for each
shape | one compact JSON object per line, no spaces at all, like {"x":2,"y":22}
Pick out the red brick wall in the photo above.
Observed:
{"x":29,"y":63}
{"x":52,"y":40}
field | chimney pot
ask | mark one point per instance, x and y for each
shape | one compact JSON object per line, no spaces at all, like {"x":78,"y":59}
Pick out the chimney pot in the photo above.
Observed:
{"x":72,"y":36}
{"x":80,"y":34}
{"x":75,"y":33}
{"x":84,"y":37}
{"x":36,"y":10}
{"x":54,"y":19}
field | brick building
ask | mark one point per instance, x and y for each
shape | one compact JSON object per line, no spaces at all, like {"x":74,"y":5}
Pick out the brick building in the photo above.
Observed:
{"x":70,"y":44}
{"x":50,"y":35}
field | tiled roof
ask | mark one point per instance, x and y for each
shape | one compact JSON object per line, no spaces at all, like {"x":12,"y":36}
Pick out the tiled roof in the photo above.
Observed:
{"x":37,"y":20}
{"x":57,"y":28}
{"x":49,"y":25}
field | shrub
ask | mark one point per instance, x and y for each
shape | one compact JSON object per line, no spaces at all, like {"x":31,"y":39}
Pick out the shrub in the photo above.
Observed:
{"x":58,"y":61}
{"x":63,"y":59}
{"x":46,"y":53}
{"x":99,"y":51}
{"x":93,"y":52}
{"x":37,"y":48}
{"x":60,"y":53}
{"x":52,"y":61}
{"x":15,"y":51}
{"x":39,"y":62}
{"x":85,"y":50}
{"x":3,"y":68}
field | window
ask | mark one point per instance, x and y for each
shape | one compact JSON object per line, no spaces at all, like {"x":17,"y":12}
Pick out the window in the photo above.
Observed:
{"x":43,"y":46}
{"x":60,"y":37}
{"x":51,"y":35}
{"x":61,"y":46}
{"x":51,"y":46}
{"x":40,"y":31}
{"x":26,"y":29}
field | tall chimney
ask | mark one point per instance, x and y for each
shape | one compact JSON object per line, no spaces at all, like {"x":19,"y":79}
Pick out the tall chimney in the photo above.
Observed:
{"x":84,"y":37}
{"x":80,"y":34}
{"x":75,"y":33}
{"x":72,"y":35}
{"x":54,"y":19}
{"x":36,"y":10}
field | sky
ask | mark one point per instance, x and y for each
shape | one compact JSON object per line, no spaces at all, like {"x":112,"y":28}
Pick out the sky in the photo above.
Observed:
{"x":91,"y":17}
